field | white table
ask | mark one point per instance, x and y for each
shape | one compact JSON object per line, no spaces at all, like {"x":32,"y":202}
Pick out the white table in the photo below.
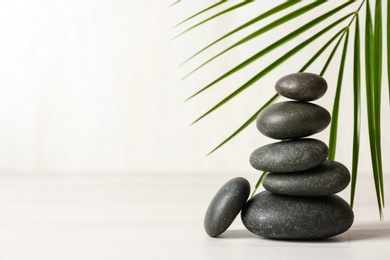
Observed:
{"x":155,"y":216}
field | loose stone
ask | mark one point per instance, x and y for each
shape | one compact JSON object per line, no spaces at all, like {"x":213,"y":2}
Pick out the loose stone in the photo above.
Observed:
{"x":290,"y":217}
{"x":302,"y":86}
{"x":292,"y":119}
{"x":289,"y":156}
{"x":226,"y":205}
{"x":328,"y":178}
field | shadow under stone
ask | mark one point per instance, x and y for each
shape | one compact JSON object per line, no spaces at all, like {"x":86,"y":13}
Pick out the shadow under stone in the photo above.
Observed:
{"x":356,"y":233}
{"x":237,"y":234}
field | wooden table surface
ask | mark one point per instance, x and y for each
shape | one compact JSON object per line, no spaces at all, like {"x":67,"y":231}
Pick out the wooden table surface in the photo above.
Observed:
{"x":155,"y":216}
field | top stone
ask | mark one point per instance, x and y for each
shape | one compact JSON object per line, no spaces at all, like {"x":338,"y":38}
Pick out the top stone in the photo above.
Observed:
{"x":301,"y":86}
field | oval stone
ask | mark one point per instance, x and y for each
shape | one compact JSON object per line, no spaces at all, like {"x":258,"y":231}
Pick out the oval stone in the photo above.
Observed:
{"x":226,"y":205}
{"x":290,"y":217}
{"x":289,"y":156}
{"x":328,"y":178}
{"x":302,"y":86}
{"x":292,"y":119}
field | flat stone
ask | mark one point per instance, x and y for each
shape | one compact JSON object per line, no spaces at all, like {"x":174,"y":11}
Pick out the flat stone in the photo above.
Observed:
{"x":328,"y":178}
{"x":292,"y":119}
{"x":289,"y":156}
{"x":302,"y":86}
{"x":226,"y":205}
{"x":297,"y":218}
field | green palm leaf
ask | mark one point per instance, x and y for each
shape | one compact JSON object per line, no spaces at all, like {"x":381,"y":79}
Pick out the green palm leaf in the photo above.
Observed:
{"x":371,"y":99}
{"x":320,"y":51}
{"x":272,"y":66}
{"x":174,"y":3}
{"x":336,"y":103}
{"x":247,"y":123}
{"x":356,"y":110}
{"x":377,"y":89}
{"x":331,"y":55}
{"x":200,"y":12}
{"x":388,"y":45}
{"x":278,"y":43}
{"x":265,"y":29}
{"x":273,"y":99}
{"x":259,"y":182}
{"x":215,"y":16}
{"x":262,"y":16}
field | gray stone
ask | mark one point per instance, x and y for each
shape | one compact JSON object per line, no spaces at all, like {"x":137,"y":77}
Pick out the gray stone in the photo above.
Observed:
{"x":289,"y":156}
{"x":328,"y":178}
{"x":291,"y":217}
{"x":302,"y":86}
{"x":292,"y":119}
{"x":226,"y":205}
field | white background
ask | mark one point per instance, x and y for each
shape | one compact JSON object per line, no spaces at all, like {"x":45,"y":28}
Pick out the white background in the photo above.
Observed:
{"x":94,"y":87}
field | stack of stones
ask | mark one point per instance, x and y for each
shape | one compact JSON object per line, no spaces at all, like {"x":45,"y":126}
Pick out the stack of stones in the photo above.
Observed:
{"x":299,"y":201}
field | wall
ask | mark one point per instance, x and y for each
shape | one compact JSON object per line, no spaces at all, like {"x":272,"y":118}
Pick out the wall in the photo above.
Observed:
{"x":94,"y":87}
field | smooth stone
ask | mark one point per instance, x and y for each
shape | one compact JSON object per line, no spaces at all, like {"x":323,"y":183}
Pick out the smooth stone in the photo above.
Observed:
{"x":290,"y":217}
{"x":328,"y":178}
{"x":302,"y":86}
{"x":226,"y":205}
{"x":289,"y":156}
{"x":292,"y":119}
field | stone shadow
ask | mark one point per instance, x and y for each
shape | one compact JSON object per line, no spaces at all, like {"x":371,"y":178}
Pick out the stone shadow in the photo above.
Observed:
{"x":358,"y":232}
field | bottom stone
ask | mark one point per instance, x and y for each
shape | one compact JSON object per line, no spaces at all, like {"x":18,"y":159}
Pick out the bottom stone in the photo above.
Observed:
{"x":291,"y":217}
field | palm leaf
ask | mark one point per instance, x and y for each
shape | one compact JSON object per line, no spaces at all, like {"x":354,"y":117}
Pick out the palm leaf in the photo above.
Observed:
{"x":273,"y":65}
{"x":174,"y":3}
{"x":248,"y":122}
{"x":331,"y":55}
{"x":263,"y":30}
{"x":262,"y":16}
{"x":200,"y":12}
{"x":320,"y":51}
{"x":356,"y":110}
{"x":276,"y":44}
{"x":270,"y":101}
{"x":388,"y":44}
{"x":216,"y":15}
{"x":371,"y":98}
{"x":259,"y":182}
{"x":336,"y":103}
{"x":378,"y":88}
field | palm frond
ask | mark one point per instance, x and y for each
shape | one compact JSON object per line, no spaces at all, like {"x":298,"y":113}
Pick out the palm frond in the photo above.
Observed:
{"x":273,"y":65}
{"x":258,"y":18}
{"x":388,"y":44}
{"x":258,"y":183}
{"x":336,"y":103}
{"x":320,"y":51}
{"x":371,"y":99}
{"x":331,"y":55}
{"x":263,"y":30}
{"x":278,"y":43}
{"x":175,"y":3}
{"x":230,"y":9}
{"x":200,"y":12}
{"x":248,"y":122}
{"x":378,"y":89}
{"x":356,"y":110}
